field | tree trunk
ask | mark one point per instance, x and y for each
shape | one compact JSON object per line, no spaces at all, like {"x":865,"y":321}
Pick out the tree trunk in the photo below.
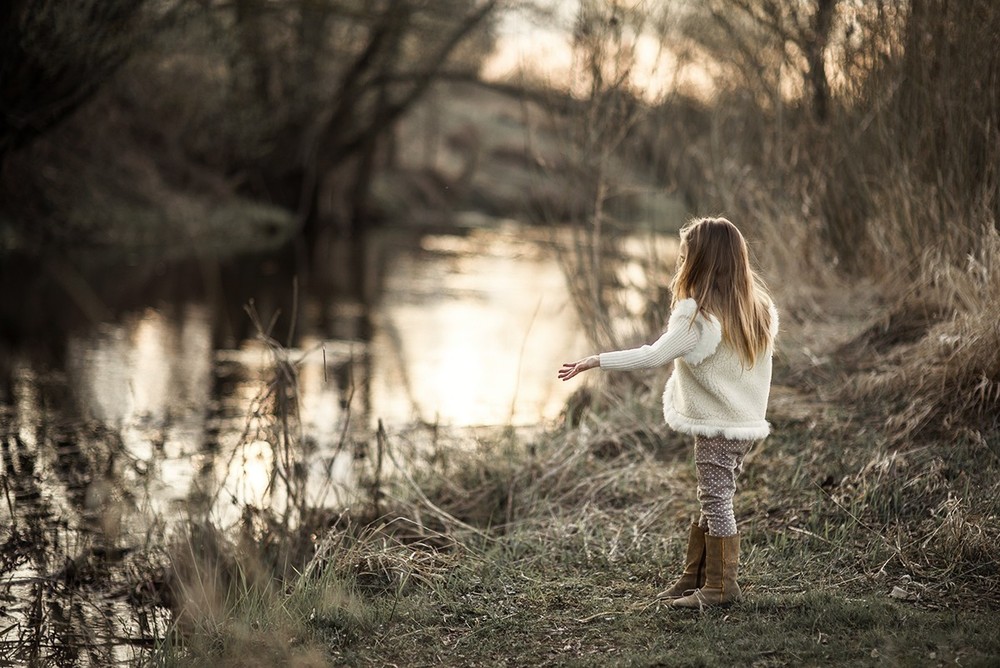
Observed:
{"x":822,"y":23}
{"x":341,"y":135}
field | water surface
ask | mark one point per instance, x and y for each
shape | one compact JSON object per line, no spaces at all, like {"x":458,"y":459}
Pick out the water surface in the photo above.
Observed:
{"x":134,"y":391}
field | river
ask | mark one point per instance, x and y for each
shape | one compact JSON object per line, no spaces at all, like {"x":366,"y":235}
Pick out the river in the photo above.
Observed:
{"x":136,"y":389}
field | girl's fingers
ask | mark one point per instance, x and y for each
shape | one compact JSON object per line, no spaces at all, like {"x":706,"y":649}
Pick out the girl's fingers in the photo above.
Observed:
{"x":568,"y":370}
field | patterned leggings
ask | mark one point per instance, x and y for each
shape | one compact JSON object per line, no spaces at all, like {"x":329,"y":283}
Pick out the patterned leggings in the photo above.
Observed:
{"x":718,"y":461}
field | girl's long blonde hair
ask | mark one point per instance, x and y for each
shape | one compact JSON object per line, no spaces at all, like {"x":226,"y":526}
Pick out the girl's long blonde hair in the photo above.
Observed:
{"x":714,"y":269}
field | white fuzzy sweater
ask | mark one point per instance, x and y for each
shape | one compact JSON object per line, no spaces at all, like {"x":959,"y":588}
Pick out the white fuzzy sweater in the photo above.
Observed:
{"x":709,"y":392}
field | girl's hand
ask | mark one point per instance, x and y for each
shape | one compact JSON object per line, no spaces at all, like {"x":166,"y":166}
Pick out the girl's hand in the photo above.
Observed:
{"x":570,"y":369}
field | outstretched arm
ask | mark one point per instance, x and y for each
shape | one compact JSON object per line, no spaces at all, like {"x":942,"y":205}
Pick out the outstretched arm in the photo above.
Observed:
{"x":678,"y":340}
{"x":570,"y":369}
{"x":681,"y":337}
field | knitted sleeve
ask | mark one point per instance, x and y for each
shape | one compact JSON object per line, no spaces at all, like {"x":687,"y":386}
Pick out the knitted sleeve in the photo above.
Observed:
{"x":683,"y":335}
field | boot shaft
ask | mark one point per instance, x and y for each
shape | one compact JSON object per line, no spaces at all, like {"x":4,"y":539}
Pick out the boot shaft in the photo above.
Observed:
{"x":694,"y":566}
{"x":722,"y":562}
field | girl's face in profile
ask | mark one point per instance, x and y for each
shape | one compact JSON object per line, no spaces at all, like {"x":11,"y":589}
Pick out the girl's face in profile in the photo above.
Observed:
{"x":681,"y":255}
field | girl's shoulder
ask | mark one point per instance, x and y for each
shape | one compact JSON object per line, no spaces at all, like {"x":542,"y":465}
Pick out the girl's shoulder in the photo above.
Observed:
{"x":687,"y":309}
{"x":686,"y":314}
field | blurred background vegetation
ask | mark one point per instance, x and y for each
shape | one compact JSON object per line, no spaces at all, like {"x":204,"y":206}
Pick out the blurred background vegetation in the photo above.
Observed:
{"x":870,"y":124}
{"x":182,"y":107}
{"x":865,"y":132}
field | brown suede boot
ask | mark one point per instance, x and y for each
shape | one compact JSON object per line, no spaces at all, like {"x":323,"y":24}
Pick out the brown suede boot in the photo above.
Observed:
{"x":722,"y":564}
{"x":694,"y":568}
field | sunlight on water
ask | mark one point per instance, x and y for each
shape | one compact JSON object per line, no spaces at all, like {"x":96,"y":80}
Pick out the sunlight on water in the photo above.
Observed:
{"x":467,"y":332}
{"x":470,"y":332}
{"x":255,"y":463}
{"x":171,"y":408}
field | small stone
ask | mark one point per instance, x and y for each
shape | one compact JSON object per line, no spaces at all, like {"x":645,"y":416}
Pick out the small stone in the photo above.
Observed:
{"x":901,"y":594}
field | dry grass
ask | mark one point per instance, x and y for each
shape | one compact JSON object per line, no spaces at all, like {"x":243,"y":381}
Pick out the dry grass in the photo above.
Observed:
{"x":577,"y":528}
{"x":934,"y":361}
{"x":230,"y":610}
{"x":892,"y":186}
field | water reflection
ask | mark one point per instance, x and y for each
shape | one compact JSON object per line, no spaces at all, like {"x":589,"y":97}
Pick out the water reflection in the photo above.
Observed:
{"x":451,"y":330}
{"x":164,"y":403}
{"x":471,"y":328}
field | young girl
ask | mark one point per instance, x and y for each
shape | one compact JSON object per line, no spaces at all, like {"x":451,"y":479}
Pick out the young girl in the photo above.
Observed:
{"x":720,"y":336}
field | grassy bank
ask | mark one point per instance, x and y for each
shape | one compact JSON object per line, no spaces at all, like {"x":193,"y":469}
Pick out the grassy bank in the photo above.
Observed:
{"x":858,"y":548}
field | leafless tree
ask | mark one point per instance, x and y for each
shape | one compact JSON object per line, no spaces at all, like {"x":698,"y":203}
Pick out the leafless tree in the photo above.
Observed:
{"x":339,"y":80}
{"x":55,"y":55}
